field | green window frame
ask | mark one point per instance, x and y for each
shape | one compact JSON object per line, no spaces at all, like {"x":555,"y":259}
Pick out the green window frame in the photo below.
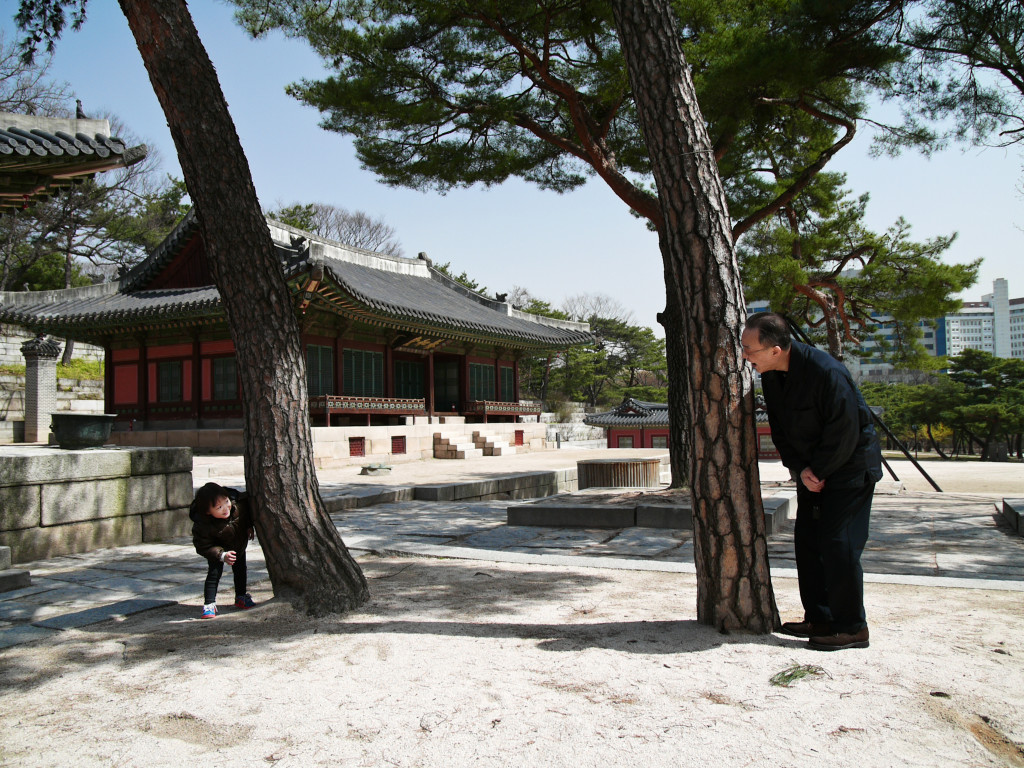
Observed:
{"x":168,"y":381}
{"x":224,"y":375}
{"x":481,"y":381}
{"x":408,"y":379}
{"x":363,"y":373}
{"x":508,"y":381}
{"x":319,"y":370}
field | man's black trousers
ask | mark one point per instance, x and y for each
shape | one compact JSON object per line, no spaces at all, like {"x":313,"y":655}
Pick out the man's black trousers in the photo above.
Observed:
{"x":829,"y":537}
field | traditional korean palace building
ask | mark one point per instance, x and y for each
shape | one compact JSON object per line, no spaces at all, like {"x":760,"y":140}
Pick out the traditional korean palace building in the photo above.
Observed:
{"x":388,"y":341}
{"x":639,"y":424}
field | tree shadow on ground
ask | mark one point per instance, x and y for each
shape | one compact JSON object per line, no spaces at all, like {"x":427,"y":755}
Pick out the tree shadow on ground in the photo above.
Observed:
{"x":408,"y":597}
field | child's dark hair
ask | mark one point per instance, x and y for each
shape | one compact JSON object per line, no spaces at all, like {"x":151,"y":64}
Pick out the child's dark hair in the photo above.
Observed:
{"x":205,"y":498}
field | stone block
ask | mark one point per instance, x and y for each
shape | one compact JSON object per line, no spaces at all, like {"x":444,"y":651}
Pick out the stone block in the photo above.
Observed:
{"x":166,"y":524}
{"x":572,"y":516}
{"x":42,"y":543}
{"x":779,"y":510}
{"x":43,"y":465}
{"x":674,"y":516}
{"x":19,"y":507}
{"x":1013,"y":511}
{"x":5,"y":558}
{"x":230,"y":441}
{"x":74,"y":502}
{"x":435,"y":493}
{"x":146,"y":493}
{"x":183,"y":438}
{"x":380,"y":445}
{"x":14,"y":578}
{"x":179,"y":490}
{"x":152,"y":461}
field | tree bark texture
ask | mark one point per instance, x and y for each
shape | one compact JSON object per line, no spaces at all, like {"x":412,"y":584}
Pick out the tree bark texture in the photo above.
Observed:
{"x":308,"y":563}
{"x":709,"y":388}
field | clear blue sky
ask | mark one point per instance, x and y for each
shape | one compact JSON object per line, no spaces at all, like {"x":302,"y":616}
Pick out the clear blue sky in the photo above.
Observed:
{"x":554,"y":245}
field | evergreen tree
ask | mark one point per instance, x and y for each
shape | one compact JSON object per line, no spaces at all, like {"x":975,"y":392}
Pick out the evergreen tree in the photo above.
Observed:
{"x":967,"y":63}
{"x":816,"y":261}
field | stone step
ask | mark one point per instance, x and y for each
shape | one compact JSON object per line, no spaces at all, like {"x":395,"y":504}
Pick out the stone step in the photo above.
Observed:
{"x":14,"y":578}
{"x":492,"y":446}
{"x":447,"y":448}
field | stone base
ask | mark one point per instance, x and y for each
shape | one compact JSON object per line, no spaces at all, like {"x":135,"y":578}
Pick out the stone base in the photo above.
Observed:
{"x":59,"y":502}
{"x":1013,"y":512}
{"x":13,"y":578}
{"x":577,"y":512}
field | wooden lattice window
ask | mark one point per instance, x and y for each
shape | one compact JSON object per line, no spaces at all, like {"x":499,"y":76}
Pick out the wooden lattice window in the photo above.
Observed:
{"x":357,"y":446}
{"x":398,"y":443}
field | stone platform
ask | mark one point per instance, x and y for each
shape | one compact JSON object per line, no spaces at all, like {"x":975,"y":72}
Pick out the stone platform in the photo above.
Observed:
{"x":607,"y":508}
{"x":58,"y":502}
{"x":1013,"y":513}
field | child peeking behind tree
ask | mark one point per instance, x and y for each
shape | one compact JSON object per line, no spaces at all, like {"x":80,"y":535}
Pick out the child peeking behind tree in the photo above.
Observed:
{"x":221,"y":530}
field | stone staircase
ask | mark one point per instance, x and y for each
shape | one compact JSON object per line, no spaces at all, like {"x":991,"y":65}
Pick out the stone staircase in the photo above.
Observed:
{"x":492,"y":446}
{"x":447,"y":447}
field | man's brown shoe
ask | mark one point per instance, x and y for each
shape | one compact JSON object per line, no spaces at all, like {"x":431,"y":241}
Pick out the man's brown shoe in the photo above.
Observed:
{"x":839,"y":641}
{"x":804,"y":628}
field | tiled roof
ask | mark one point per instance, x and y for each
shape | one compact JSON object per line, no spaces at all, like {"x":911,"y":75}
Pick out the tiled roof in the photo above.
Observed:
{"x":41,"y":155}
{"x":631,"y":413}
{"x":103,"y":306}
{"x":640,"y":413}
{"x":430,"y":298}
{"x":386,"y":290}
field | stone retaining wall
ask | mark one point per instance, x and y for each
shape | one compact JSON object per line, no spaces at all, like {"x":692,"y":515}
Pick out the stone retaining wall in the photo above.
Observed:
{"x":76,"y":395}
{"x":55,"y":502}
{"x":13,"y":336}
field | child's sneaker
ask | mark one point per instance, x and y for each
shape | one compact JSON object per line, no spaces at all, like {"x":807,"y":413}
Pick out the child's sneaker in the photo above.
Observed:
{"x":209,"y":611}
{"x":244,"y":601}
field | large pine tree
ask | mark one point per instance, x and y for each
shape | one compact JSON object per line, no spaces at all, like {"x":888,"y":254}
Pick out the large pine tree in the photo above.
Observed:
{"x":703,"y":318}
{"x":307,"y":561}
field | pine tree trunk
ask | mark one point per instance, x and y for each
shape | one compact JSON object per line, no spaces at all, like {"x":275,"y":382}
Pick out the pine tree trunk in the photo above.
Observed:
{"x":709,"y":388}
{"x":308,"y":564}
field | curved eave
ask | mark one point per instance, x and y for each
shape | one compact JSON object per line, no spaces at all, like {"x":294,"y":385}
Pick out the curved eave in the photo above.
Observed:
{"x":615,"y":422}
{"x":332,"y":297}
{"x":102,"y":324}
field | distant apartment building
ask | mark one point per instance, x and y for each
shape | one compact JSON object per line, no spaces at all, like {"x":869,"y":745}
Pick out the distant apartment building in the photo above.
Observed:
{"x":995,"y":325}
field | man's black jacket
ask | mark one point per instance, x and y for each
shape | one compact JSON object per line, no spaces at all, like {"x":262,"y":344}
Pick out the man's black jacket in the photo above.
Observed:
{"x":820,"y":420}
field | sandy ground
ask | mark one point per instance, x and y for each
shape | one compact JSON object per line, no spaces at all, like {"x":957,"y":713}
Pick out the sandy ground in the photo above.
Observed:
{"x":458,"y":663}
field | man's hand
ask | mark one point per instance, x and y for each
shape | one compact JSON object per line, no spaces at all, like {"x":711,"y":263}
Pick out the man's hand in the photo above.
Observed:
{"x":230,"y":557}
{"x":811,"y":481}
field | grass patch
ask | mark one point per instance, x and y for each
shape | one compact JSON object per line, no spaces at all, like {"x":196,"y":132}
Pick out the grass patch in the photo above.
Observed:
{"x":791,"y":674}
{"x":91,"y":370}
{"x":88,"y":370}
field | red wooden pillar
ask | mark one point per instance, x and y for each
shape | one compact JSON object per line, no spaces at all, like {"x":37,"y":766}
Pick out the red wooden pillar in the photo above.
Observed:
{"x":144,"y":380}
{"x":108,"y":379}
{"x":515,"y":388}
{"x":197,"y":382}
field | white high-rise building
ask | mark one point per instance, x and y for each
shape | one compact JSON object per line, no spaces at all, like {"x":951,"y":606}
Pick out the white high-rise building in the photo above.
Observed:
{"x":991,"y":325}
{"x":995,"y":325}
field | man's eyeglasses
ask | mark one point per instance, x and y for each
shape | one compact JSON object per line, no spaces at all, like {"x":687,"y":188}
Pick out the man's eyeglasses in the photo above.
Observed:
{"x":752,"y":351}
